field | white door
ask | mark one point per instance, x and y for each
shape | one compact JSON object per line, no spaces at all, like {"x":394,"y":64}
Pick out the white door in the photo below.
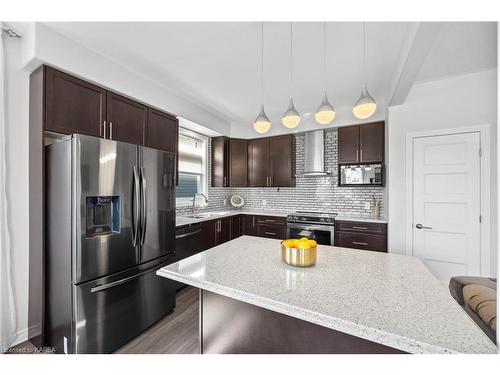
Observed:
{"x":446,"y":204}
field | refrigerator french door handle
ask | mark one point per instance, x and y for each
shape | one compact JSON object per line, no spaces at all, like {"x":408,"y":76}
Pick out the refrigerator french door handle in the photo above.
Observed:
{"x":144,"y":213}
{"x":136,"y":207}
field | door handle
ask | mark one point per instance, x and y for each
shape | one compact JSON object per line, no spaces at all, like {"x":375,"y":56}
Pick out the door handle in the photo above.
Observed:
{"x":110,"y":130}
{"x":135,"y":206}
{"x":420,"y":226}
{"x":144,"y":206}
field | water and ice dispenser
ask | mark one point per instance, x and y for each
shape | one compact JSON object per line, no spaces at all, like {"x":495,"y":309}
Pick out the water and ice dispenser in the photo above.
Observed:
{"x":103,"y":215}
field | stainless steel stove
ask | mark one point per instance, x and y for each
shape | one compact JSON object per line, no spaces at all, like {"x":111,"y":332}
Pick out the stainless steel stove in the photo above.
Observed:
{"x":314,"y":225}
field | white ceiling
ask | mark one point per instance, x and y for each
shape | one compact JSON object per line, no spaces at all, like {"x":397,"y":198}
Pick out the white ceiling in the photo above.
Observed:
{"x":461,"y":47}
{"x":217,"y":65}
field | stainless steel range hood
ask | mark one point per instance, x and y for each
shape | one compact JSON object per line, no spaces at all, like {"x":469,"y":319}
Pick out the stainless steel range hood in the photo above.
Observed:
{"x":315,"y":154}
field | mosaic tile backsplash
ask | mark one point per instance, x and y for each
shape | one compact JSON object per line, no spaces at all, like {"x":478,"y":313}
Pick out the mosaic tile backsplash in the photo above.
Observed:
{"x":310,"y":194}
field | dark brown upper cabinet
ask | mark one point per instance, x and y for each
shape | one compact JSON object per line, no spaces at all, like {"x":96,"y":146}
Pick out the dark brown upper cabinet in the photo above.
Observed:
{"x":348,"y":144}
{"x":282,"y":160}
{"x":271,"y":161}
{"x":220,"y":161}
{"x":162,"y":131}
{"x":238,"y":162}
{"x":229,"y":162}
{"x":73,"y":105}
{"x":126,"y":119}
{"x":371,"y":143}
{"x":361,"y":143}
{"x":258,"y":162}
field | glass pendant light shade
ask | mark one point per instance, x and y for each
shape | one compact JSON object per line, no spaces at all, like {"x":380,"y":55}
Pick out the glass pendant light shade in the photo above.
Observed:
{"x":291,"y":118}
{"x":325,"y":112}
{"x":262,"y":123}
{"x":365,"y":106}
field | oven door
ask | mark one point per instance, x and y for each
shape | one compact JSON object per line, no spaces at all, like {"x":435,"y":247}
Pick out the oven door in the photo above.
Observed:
{"x":322,"y":234}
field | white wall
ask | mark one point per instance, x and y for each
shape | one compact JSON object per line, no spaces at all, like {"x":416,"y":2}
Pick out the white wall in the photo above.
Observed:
{"x":460,"y":101}
{"x":17,"y":112}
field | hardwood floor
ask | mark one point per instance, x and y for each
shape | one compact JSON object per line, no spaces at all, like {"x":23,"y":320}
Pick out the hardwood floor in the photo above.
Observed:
{"x":175,"y":334}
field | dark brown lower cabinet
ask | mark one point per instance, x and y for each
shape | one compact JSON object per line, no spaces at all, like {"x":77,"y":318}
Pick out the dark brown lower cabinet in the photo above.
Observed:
{"x":216,"y":232}
{"x":224,"y":230}
{"x":276,"y":231}
{"x":236,"y":226}
{"x":361,"y":235}
{"x":250,"y":225}
{"x":208,"y":234}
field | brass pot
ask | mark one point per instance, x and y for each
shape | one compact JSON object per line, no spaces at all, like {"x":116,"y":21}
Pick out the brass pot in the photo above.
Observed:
{"x":298,"y":257}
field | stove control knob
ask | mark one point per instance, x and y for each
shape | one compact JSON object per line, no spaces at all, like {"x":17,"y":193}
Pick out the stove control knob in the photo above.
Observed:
{"x":322,"y":219}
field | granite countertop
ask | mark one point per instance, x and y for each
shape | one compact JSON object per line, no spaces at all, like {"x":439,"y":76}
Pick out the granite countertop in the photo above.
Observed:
{"x":363,"y":219}
{"x":182,"y":219}
{"x":390,"y":299}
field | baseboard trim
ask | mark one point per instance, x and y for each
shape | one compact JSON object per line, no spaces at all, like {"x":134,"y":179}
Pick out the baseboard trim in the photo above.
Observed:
{"x":21,"y":336}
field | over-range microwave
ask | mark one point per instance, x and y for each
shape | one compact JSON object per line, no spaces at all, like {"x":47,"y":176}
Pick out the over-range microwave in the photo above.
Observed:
{"x":361,"y":175}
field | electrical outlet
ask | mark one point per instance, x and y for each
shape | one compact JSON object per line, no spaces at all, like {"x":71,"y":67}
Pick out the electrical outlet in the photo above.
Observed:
{"x":264,"y":202}
{"x":225,"y":202}
{"x":367,"y":205}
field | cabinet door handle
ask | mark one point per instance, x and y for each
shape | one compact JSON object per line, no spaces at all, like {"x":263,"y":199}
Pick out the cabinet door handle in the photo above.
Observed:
{"x":253,"y":221}
{"x":359,"y":243}
{"x":357,"y":154}
{"x":355,"y":227}
{"x":270,"y":220}
{"x":270,"y":233}
{"x":110,"y":130}
{"x":104,"y":129}
{"x":361,"y":157}
{"x":224,"y":182}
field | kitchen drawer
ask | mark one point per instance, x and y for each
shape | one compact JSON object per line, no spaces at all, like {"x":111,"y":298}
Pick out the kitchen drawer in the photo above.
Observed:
{"x":276,"y":220}
{"x":271,"y":231}
{"x":358,"y":226}
{"x":364,"y":241}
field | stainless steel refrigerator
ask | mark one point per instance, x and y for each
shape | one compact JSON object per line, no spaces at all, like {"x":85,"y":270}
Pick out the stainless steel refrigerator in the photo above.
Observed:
{"x":110,"y":224}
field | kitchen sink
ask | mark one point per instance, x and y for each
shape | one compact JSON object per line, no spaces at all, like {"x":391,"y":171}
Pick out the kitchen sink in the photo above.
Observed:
{"x":206,"y":215}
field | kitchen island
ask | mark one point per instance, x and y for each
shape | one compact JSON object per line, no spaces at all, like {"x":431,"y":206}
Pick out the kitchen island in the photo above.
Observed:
{"x":351,"y":301}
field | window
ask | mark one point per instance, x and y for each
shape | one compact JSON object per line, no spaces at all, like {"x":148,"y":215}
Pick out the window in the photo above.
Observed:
{"x":192,"y":166}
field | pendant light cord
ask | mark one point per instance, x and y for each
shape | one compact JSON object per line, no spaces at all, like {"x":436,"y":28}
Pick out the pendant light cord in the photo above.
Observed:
{"x":291,"y":59}
{"x":262,"y":60}
{"x":324,"y":54}
{"x":364,"y":52}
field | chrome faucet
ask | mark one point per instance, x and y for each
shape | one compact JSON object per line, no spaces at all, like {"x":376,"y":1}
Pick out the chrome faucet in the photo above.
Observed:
{"x":194,"y":200}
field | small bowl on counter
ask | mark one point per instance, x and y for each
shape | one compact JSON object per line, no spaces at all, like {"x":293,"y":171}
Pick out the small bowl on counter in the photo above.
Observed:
{"x":299,"y":253}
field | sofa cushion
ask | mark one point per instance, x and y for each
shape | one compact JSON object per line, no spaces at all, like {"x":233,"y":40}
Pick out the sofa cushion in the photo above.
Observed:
{"x":482,"y":300}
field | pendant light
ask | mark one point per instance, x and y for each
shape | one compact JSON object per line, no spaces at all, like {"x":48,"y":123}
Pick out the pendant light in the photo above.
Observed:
{"x":262,"y":123}
{"x":291,"y":118}
{"x":325,"y":112}
{"x":365,"y":106}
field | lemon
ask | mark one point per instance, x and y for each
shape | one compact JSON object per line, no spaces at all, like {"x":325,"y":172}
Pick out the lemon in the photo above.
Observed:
{"x":312,"y":243}
{"x":304,"y":238}
{"x":304,"y":244}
